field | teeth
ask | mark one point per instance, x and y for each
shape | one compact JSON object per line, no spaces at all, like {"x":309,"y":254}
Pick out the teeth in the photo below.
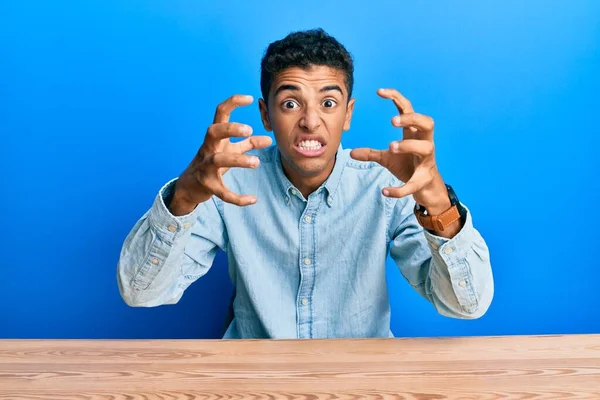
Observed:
{"x":310,"y":145}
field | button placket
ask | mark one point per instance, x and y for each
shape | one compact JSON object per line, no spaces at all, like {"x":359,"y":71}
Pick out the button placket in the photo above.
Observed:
{"x":307,"y":267}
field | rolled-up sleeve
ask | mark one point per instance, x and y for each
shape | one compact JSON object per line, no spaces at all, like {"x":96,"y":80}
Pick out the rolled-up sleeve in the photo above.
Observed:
{"x":163,"y":254}
{"x":455,"y":274}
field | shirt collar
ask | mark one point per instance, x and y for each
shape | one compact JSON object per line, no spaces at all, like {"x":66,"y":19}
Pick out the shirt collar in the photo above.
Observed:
{"x":331,"y":184}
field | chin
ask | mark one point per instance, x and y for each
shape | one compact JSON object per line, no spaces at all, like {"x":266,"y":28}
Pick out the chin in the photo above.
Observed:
{"x":308,"y":167}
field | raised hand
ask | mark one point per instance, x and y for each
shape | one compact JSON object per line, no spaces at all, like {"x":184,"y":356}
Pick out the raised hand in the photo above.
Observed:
{"x":412,"y":159}
{"x":203,"y":177}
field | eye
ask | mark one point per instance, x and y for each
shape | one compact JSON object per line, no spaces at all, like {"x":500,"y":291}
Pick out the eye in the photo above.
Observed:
{"x":329,"y":103}
{"x":290,"y":105}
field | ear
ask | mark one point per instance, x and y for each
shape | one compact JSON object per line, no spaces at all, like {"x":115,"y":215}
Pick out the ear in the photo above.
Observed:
{"x":264,"y":115}
{"x":349,"y":111}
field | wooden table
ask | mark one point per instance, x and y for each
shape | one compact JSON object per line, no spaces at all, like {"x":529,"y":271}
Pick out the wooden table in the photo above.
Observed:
{"x":518,"y":367}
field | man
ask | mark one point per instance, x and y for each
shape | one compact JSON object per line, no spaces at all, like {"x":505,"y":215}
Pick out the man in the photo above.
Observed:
{"x":307,"y":226}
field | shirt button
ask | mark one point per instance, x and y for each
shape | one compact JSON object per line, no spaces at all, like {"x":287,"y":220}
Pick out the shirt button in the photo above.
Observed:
{"x":448,"y":250}
{"x":462,"y":283}
{"x":329,"y":200}
{"x":186,"y":225}
{"x":155,"y":261}
{"x":294,"y":192}
{"x":307,"y":261}
{"x":172,"y":228}
{"x":304,"y":302}
{"x":307,"y":219}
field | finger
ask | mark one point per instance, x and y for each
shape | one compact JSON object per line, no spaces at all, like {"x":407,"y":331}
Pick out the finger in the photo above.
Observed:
{"x":366,"y":154}
{"x":421,"y":122}
{"x":224,"y":130}
{"x":401,"y":102}
{"x":225,"y":109}
{"x":232,"y":198}
{"x":255,"y":142}
{"x":423,"y":148}
{"x":410,"y":187}
{"x":230,"y":160}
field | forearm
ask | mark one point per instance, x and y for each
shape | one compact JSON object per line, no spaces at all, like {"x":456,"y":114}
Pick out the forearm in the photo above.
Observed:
{"x":179,"y":202}
{"x":179,"y":206}
{"x":460,"y":282}
{"x":150,"y":264}
{"x":436,"y":201}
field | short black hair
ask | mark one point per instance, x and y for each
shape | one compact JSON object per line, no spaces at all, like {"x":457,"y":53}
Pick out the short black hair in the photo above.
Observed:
{"x":304,"y":49}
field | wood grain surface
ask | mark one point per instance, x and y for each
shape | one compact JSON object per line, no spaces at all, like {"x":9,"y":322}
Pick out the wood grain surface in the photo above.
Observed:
{"x":487,"y":368}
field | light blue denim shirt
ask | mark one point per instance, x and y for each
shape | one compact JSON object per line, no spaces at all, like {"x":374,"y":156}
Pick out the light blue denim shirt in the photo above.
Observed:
{"x":306,"y":268}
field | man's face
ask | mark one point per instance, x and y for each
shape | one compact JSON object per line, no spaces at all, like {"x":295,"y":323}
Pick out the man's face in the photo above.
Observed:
{"x":307,"y":111}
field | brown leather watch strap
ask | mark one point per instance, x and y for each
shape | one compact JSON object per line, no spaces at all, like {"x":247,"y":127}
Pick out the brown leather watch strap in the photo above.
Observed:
{"x":437,"y":222}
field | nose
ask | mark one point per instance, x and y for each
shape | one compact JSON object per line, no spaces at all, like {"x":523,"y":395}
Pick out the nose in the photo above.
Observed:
{"x":310,"y":120}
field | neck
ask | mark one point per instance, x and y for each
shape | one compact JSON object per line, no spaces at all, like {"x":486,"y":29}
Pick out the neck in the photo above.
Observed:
{"x":306,"y":184}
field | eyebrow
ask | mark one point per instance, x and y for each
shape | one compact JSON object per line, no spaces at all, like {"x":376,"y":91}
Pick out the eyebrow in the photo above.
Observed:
{"x":330,"y":88}
{"x":286,"y":87}
{"x":297,"y":89}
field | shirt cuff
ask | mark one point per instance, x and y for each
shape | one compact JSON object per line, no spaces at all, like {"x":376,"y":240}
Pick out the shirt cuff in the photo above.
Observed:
{"x":456,"y":247}
{"x":168,"y":226}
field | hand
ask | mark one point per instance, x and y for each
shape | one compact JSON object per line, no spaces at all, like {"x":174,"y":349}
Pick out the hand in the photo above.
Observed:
{"x":412,"y":159}
{"x":203,"y":177}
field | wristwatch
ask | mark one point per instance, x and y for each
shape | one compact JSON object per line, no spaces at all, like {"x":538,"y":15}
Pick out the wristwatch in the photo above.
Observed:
{"x":437,"y":223}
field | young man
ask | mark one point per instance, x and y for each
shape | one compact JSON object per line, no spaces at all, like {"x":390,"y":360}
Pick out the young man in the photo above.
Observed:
{"x":307,"y":225}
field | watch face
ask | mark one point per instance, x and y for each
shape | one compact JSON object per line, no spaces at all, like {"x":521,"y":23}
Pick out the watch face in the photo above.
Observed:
{"x":453,"y":198}
{"x":455,"y":202}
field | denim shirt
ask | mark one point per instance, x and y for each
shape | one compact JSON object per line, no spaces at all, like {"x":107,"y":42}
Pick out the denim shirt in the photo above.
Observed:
{"x":306,"y":267}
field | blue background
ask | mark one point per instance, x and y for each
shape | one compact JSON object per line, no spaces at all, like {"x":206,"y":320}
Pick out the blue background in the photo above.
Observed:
{"x":101,"y":102}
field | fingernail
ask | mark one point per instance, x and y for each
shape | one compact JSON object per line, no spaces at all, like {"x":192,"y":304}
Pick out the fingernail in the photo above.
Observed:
{"x":395,"y":146}
{"x":254,"y":161}
{"x":386,"y":192}
{"x":252,"y":201}
{"x":397,"y":120}
{"x":247,"y":130}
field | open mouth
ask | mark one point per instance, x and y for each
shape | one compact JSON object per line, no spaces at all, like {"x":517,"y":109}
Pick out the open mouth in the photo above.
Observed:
{"x":310,"y":148}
